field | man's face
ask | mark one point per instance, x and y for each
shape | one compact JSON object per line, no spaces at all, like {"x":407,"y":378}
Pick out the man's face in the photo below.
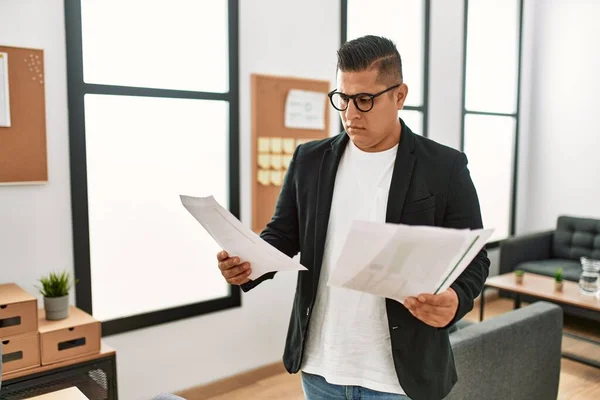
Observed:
{"x":379,"y":128}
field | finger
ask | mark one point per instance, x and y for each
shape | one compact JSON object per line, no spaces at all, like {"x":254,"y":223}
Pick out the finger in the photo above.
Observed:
{"x":235,"y":271}
{"x":410,"y":302}
{"x":240,"y":279}
{"x":229,"y":263}
{"x":222,"y":255}
{"x":428,"y":318}
{"x":441,"y":300}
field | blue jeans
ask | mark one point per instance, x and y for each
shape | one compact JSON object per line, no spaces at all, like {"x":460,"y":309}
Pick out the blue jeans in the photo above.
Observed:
{"x":317,"y":388}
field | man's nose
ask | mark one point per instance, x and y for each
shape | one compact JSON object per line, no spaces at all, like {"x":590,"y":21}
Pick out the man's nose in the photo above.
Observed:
{"x":352,"y":112}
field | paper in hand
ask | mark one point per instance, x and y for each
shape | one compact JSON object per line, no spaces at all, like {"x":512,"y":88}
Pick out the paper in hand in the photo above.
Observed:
{"x":236,"y":239}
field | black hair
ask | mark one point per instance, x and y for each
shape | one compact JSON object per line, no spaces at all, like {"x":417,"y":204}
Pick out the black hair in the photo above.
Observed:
{"x":370,"y":52}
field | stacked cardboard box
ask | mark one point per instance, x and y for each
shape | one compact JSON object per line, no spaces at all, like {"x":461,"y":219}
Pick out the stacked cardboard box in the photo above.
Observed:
{"x":18,"y":329}
{"x":29,"y":340}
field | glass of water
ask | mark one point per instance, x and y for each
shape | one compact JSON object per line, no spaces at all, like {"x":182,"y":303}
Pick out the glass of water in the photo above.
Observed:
{"x":589,"y":281}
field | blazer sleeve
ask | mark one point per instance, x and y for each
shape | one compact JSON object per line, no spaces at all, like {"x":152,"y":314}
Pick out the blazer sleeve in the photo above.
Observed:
{"x":282,"y":232}
{"x":463,"y":211}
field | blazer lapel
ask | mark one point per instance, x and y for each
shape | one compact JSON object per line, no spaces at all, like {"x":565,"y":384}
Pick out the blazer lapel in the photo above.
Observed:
{"x":401,"y":176}
{"x":327,"y":173}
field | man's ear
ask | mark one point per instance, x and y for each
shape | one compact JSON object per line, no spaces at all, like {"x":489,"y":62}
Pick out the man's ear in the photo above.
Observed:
{"x":401,"y":96}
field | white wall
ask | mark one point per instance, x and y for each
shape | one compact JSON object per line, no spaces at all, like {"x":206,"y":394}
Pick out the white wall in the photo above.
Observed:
{"x":563,"y":162}
{"x":35,"y":221}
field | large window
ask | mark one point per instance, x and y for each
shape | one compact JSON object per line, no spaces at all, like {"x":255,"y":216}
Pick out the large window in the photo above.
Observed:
{"x":406,"y":22}
{"x":153,"y":109}
{"x":491,"y":107}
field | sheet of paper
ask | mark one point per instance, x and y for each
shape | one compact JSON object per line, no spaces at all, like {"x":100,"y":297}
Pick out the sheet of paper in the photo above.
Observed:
{"x":264,"y":144}
{"x":305,"y":109}
{"x":236,"y":239}
{"x":4,"y":97}
{"x":264,"y":177}
{"x":276,"y":161}
{"x":397,"y":261}
{"x":264,"y":161}
{"x":276,"y":145}
{"x":276,"y":178}
{"x":289,"y":145}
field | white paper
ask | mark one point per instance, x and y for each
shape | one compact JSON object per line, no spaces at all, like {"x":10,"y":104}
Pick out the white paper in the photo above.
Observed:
{"x":236,"y":239}
{"x":305,"y":110}
{"x":398,"y":261}
{"x":4,"y":98}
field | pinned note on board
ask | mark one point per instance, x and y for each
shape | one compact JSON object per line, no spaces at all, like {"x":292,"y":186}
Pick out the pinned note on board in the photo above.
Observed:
{"x":305,"y":109}
{"x":4,"y":93}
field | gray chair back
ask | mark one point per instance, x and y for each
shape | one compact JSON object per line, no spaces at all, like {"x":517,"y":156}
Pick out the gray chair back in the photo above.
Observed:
{"x":513,"y":356}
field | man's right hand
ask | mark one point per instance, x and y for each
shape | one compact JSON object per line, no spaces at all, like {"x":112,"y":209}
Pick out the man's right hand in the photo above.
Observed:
{"x":231,"y":269}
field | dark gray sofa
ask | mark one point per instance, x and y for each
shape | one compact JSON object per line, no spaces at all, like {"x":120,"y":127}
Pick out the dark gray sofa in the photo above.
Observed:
{"x":544,"y":252}
{"x":513,"y":356}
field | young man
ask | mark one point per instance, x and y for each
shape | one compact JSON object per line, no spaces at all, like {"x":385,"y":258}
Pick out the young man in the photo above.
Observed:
{"x":348,"y":343}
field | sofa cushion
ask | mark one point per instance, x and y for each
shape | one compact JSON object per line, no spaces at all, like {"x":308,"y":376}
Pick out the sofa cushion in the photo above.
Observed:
{"x":576,"y":237}
{"x":571,"y":269}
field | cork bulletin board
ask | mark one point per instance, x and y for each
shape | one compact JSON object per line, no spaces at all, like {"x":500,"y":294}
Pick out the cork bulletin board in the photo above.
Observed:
{"x":273,"y":142}
{"x":23,"y":158}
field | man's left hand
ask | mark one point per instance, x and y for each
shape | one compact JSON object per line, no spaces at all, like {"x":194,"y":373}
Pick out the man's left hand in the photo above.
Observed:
{"x":436,"y":310}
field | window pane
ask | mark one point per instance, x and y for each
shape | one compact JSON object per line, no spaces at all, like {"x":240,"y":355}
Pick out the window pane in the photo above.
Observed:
{"x":489,"y":146}
{"x":402,"y":21}
{"x":413,"y":119}
{"x":492,"y":54}
{"x":147,"y":252}
{"x":180,"y":44}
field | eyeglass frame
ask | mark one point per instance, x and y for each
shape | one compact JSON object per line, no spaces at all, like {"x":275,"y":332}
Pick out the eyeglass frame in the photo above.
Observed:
{"x":354,"y":96}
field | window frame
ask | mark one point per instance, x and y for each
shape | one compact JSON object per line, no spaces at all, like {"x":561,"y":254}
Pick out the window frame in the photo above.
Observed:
{"x":515,"y":115}
{"x":77,"y":89}
{"x":424,"y":108}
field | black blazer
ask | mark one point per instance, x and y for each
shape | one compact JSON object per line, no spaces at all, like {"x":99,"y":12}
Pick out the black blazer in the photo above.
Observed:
{"x":430,"y":185}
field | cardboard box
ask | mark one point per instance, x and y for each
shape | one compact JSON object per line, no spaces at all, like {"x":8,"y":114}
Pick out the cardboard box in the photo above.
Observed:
{"x":18,"y":311}
{"x":76,"y":336}
{"x":20,"y":352}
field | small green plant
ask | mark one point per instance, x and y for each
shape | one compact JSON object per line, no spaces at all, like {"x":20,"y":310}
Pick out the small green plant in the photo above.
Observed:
{"x":558,"y":276}
{"x":56,"y":284}
{"x":519,"y":272}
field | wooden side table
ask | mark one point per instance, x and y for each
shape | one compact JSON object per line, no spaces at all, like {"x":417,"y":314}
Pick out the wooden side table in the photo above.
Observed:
{"x":94,"y":375}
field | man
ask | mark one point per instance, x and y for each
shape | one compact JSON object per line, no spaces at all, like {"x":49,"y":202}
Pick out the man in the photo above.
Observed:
{"x":348,"y":343}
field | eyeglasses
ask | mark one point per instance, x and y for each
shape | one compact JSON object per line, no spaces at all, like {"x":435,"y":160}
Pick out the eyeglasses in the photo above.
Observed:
{"x":363,"y":101}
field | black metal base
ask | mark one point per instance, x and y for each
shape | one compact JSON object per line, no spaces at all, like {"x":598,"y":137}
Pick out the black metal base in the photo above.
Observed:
{"x":570,"y":356}
{"x":97,"y":380}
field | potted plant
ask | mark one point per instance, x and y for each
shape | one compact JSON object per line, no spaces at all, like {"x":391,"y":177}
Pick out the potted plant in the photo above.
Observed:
{"x":55,"y":289}
{"x":558,"y":280}
{"x":519,"y":276}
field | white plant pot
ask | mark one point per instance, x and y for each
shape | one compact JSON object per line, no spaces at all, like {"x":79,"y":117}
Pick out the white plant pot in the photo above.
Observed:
{"x":57,"y":308}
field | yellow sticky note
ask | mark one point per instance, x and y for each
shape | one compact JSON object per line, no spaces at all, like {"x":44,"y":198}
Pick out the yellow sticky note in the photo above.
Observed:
{"x":276,"y":161}
{"x":264,"y":177}
{"x":263,"y":145}
{"x":285,"y":161}
{"x":276,"y":178}
{"x":264,"y":161}
{"x":289,"y":145}
{"x":276,"y":145}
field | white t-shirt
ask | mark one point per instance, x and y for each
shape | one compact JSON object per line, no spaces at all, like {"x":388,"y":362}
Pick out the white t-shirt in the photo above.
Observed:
{"x":349,"y":339}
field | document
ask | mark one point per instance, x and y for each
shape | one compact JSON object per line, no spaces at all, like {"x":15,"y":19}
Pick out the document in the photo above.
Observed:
{"x":4,"y":97}
{"x":305,"y":109}
{"x":399,"y":261}
{"x":236,"y":239}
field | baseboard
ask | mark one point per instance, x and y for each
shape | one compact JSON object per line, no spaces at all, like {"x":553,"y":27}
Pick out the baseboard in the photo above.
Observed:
{"x":232,"y":383}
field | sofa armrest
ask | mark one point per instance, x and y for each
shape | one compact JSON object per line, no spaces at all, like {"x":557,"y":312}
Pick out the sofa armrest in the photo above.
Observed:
{"x":518,"y":249}
{"x":515,"y":356}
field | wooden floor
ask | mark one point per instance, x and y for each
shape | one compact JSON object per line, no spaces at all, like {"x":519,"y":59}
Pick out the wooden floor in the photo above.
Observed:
{"x":577,"y":381}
